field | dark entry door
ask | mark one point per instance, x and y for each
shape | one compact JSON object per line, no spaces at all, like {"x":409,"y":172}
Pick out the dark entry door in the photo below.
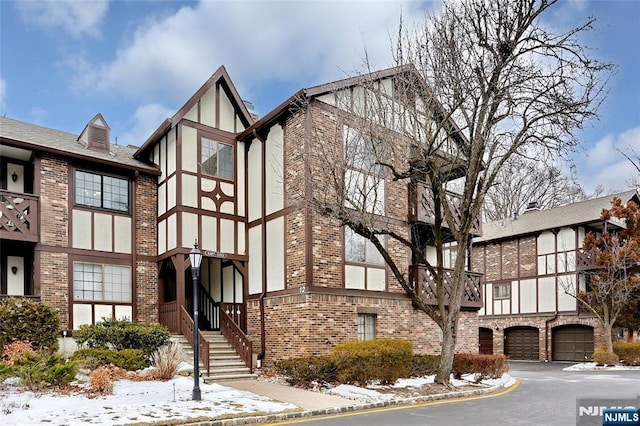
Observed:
{"x":485,"y":339}
{"x":521,"y":343}
{"x":573,"y":343}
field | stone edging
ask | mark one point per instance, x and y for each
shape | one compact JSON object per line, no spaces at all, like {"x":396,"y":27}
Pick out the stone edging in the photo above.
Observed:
{"x":281,"y":417}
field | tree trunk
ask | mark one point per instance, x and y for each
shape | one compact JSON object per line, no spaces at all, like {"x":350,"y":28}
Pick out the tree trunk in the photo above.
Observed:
{"x":608,"y":331}
{"x":443,"y":375}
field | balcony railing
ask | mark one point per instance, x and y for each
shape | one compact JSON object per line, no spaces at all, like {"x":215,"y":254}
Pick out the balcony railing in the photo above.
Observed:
{"x":18,"y":216}
{"x":585,"y":261}
{"x":421,"y":208}
{"x":425,"y":282}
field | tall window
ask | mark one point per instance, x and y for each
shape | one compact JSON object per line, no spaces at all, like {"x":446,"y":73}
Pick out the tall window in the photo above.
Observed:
{"x":359,"y":249}
{"x":501,"y":291}
{"x":97,"y":282}
{"x":366,"y":326}
{"x":363,"y":180}
{"x":217,"y":159}
{"x":101,"y":191}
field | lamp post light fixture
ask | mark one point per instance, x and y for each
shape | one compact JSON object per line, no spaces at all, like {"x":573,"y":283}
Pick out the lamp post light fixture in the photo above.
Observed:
{"x":195,"y":256}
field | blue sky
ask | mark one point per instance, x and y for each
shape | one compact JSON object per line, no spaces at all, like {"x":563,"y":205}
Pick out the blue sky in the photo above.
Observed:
{"x":137,"y":62}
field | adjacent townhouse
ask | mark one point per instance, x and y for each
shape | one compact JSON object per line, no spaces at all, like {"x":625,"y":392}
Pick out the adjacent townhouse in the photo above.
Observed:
{"x":77,"y":223}
{"x":531,"y":264}
{"x":102,"y":230}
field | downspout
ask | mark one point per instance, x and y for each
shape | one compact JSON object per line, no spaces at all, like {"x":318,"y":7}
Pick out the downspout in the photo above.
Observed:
{"x":546,"y":335}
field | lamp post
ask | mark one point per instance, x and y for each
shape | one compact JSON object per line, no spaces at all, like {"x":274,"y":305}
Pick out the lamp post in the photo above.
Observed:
{"x":195,"y":256}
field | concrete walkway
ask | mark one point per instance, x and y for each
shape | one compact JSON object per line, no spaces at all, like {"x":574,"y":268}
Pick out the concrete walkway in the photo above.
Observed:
{"x":307,"y":400}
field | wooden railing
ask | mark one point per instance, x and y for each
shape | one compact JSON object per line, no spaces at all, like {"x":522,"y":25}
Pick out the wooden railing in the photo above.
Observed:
{"x":170,"y":316}
{"x":237,"y":339}
{"x":585,"y":261}
{"x":421,"y":208}
{"x":18,"y":216}
{"x":186,"y":329}
{"x":209,"y":309}
{"x":425,"y":284}
{"x":237,"y":312}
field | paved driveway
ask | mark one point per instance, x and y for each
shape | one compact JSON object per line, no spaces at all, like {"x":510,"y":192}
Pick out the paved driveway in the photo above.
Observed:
{"x":546,"y":396}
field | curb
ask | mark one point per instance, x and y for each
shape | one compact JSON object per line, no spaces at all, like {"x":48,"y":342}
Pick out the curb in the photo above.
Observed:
{"x":280,"y":417}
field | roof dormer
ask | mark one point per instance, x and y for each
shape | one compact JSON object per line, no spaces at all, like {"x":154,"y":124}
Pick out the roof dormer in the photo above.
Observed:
{"x":95,"y":135}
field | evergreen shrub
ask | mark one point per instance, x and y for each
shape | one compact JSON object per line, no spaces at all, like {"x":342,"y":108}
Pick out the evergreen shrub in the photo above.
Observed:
{"x":30,"y":321}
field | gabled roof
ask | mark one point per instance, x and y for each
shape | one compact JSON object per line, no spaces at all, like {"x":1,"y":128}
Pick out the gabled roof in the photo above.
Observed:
{"x":33,"y":137}
{"x":220,"y":76}
{"x":285,"y":107}
{"x":582,"y":213}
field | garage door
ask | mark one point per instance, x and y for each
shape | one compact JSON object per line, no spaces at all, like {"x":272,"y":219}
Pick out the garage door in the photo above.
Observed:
{"x":573,"y":343}
{"x":521,"y":343}
{"x":485,"y":338}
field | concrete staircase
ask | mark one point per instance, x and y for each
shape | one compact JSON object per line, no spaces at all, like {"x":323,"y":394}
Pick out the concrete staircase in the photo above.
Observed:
{"x":225,"y":363}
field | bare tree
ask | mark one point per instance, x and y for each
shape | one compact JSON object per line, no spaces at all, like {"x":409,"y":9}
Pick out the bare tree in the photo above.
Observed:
{"x":634,"y":159}
{"x":522,"y":181}
{"x":479,"y":83}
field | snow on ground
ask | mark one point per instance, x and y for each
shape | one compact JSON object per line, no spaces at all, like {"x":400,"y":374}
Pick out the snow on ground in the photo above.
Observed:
{"x":370,"y":394}
{"x":591,"y":366}
{"x":133,"y":402}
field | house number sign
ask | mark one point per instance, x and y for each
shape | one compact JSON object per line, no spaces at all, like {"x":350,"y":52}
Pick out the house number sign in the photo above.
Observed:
{"x":216,"y":254}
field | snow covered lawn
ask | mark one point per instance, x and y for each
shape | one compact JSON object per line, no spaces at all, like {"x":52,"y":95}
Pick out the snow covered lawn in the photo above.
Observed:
{"x":132,"y":402}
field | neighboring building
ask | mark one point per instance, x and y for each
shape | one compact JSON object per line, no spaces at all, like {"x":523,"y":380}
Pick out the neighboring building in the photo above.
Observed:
{"x":528,"y":262}
{"x":77,"y":223}
{"x":107,"y":229}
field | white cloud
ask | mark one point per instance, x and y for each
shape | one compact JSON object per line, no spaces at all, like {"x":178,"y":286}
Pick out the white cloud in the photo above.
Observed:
{"x":605,"y":165}
{"x":74,"y":17}
{"x":258,"y":42}
{"x":146,"y":120}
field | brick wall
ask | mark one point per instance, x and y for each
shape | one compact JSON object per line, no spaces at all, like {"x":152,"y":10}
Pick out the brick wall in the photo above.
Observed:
{"x":312,"y":324}
{"x":54,"y":278}
{"x":54,"y":202}
{"x":146,"y":292}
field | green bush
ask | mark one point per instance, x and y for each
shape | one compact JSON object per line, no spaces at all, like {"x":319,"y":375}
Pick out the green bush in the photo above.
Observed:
{"x":27,"y":320}
{"x":629,"y":352}
{"x":39,"y":372}
{"x":123,"y":334}
{"x":129,"y":359}
{"x":603,"y":357}
{"x":6,"y":371}
{"x":481,"y":365}
{"x":424,"y":365}
{"x":304,"y":371}
{"x":382,"y":359}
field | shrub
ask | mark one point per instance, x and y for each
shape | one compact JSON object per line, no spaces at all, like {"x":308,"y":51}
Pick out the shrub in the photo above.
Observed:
{"x":424,"y":365}
{"x":603,"y":357}
{"x":128,"y":359}
{"x":39,"y":372}
{"x":304,"y":371}
{"x":167,"y":360}
{"x":123,"y":334}
{"x":481,"y":365}
{"x":27,"y":320}
{"x":101,"y":381}
{"x":628,"y":351}
{"x":382,"y":359}
{"x":16,"y":350}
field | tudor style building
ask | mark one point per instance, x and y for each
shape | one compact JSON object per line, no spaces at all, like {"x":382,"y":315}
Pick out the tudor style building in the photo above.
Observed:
{"x":77,"y":223}
{"x":109,"y":228}
{"x":530,"y":264}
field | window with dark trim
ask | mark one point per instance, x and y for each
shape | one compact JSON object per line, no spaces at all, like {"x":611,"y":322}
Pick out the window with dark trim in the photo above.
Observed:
{"x":217,"y":159}
{"x":101,"y":191}
{"x":98,"y":282}
{"x":366,"y":326}
{"x":501,"y":291}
